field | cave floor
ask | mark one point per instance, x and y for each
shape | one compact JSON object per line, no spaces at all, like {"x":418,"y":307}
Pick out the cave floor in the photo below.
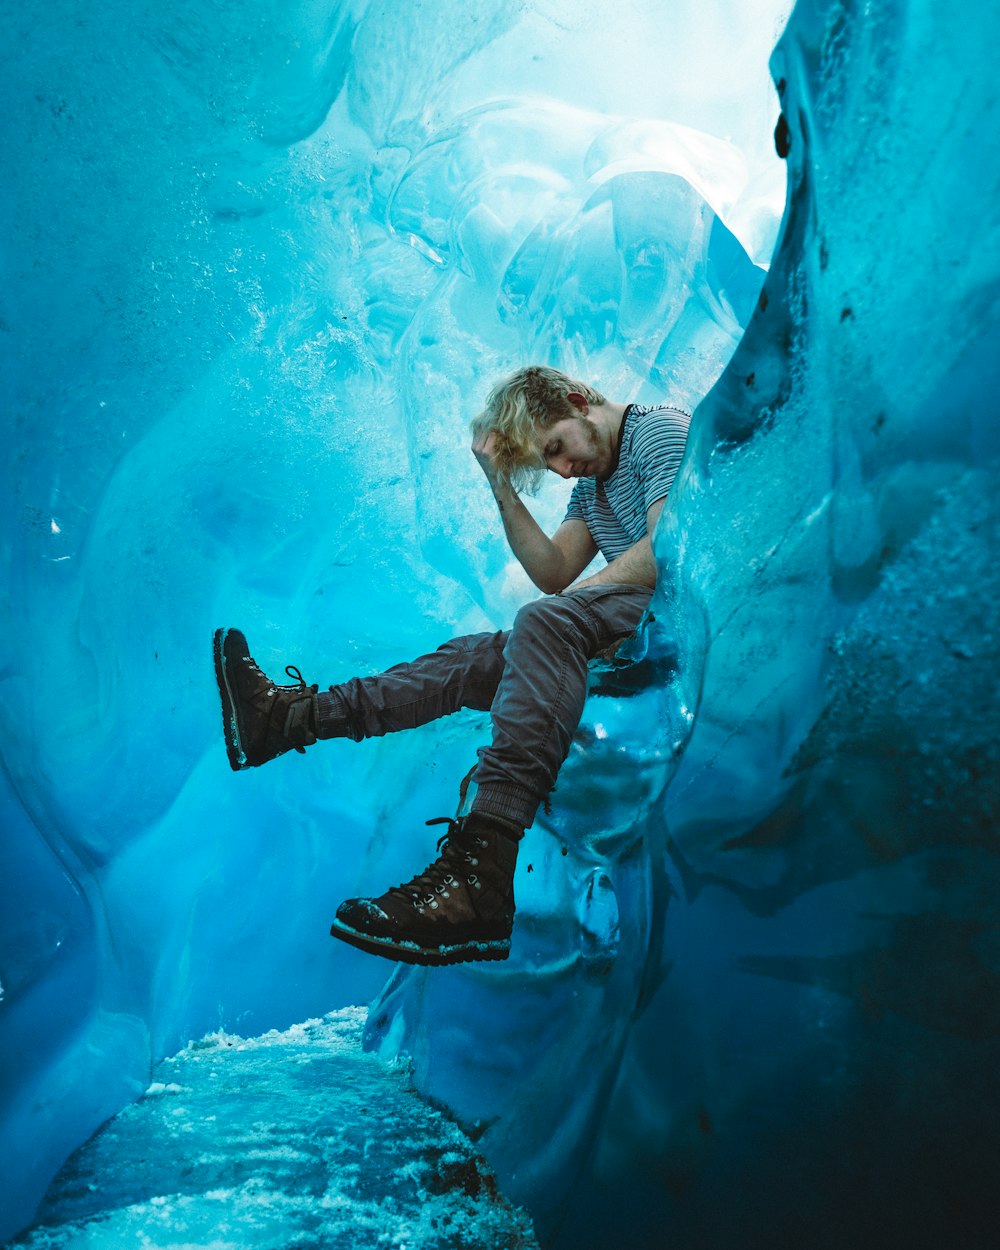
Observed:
{"x":290,"y":1141}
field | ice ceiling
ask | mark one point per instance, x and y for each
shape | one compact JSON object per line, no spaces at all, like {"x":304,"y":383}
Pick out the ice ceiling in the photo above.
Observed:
{"x":260,"y":264}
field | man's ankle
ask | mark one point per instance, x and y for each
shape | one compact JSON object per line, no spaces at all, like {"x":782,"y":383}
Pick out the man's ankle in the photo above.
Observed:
{"x":332,"y":719}
{"x":507,"y":801}
{"x":490,"y":821}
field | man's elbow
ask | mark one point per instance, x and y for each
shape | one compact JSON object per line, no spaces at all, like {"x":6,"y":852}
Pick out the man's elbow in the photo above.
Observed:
{"x":550,"y":585}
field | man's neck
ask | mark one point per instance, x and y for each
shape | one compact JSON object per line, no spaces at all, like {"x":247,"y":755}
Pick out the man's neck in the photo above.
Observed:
{"x":612,"y":418}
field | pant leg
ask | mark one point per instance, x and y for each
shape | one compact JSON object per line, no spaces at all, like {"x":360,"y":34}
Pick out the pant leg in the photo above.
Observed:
{"x":543,"y":689}
{"x":464,"y":672}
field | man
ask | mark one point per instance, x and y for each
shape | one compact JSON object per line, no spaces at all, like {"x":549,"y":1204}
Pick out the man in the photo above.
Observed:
{"x":533,"y":679}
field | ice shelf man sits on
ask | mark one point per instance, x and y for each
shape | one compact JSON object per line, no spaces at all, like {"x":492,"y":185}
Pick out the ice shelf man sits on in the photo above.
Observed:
{"x":532,"y":678}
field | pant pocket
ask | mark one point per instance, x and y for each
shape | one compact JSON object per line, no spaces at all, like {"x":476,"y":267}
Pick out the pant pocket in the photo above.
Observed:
{"x":615,"y":611}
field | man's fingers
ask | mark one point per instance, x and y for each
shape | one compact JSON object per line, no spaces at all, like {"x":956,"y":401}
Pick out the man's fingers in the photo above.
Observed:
{"x":484,"y":444}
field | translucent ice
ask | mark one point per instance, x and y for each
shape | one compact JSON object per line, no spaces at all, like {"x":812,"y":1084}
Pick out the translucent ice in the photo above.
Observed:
{"x":260,"y":265}
{"x":293,"y":1138}
{"x":807,"y":1055}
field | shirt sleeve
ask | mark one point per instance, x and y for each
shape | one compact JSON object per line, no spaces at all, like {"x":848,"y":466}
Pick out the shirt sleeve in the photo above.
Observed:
{"x":574,"y":510}
{"x":658,"y":442}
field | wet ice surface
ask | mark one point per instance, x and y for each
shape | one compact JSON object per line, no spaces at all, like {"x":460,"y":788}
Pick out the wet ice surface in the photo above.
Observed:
{"x":293,"y":1139}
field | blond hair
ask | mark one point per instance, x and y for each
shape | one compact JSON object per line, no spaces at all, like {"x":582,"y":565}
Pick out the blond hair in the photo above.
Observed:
{"x":530,"y":399}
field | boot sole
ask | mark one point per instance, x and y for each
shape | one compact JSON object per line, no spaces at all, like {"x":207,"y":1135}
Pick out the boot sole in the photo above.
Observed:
{"x":230,"y":714}
{"x":426,"y":956}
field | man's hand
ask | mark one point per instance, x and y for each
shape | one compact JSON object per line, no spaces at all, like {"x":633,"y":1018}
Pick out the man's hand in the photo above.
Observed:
{"x":484,"y":449}
{"x":551,"y":563}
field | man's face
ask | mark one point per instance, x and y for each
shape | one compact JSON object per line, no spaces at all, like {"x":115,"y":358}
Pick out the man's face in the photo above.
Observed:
{"x":576,"y":447}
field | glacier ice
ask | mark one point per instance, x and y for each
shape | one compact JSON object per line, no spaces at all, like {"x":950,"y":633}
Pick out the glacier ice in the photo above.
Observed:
{"x":292,"y":1138}
{"x":258,"y":268}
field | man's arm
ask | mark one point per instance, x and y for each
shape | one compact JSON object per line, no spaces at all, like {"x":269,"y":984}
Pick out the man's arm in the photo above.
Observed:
{"x":636,"y":566}
{"x":551,"y":563}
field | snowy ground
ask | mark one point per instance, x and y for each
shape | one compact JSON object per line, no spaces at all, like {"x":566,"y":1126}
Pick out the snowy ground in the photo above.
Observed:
{"x":288,"y":1141}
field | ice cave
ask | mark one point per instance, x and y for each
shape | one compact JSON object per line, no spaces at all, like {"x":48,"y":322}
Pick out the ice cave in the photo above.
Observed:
{"x":261,"y":262}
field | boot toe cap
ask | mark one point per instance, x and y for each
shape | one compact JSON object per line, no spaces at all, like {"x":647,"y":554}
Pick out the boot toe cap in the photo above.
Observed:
{"x":364,"y":915}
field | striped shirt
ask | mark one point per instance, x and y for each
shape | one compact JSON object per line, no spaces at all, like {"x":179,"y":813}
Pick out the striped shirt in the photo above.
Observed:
{"x":652,"y":446}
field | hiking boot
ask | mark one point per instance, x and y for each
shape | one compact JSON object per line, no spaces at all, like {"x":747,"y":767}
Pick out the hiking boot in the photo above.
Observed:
{"x":260,"y":719}
{"x":460,"y":908}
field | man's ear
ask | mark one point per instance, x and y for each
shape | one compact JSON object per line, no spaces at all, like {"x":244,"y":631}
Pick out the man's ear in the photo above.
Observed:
{"x":579,"y":402}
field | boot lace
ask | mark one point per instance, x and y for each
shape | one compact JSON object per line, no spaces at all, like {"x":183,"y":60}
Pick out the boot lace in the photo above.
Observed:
{"x":296,"y":676}
{"x":454,"y":856}
{"x":295,"y":726}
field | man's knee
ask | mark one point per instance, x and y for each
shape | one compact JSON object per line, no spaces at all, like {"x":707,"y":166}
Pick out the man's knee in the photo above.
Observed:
{"x":550,"y":615}
{"x":590,"y":621}
{"x":480,"y":643}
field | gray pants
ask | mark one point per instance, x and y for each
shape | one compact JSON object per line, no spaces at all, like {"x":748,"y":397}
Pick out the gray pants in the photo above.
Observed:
{"x":532,"y":678}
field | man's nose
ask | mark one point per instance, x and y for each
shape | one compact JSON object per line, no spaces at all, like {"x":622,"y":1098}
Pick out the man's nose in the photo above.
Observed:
{"x":562,"y":467}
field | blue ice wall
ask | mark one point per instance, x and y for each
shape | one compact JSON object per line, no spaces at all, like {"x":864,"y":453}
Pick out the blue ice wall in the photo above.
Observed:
{"x":770,"y":1015}
{"x":260,"y":264}
{"x":259,"y":267}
